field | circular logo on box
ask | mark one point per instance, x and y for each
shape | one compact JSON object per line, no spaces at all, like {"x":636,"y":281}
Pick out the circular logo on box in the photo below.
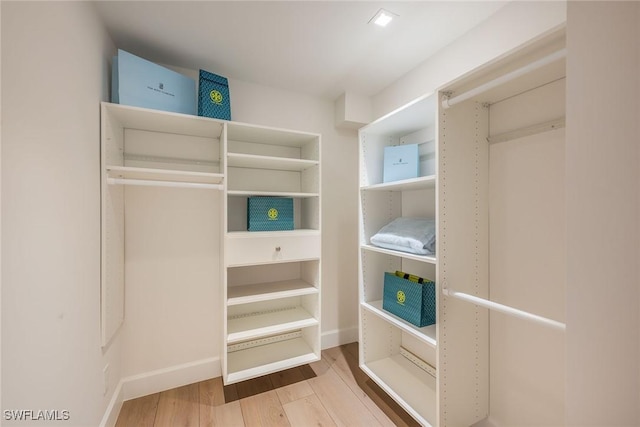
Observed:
{"x":215,"y":96}
{"x":273,"y":213}
{"x":401,"y":297}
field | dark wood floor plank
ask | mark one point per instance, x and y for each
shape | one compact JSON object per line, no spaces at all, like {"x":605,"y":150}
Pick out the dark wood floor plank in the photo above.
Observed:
{"x":286,"y":377}
{"x":254,"y":386}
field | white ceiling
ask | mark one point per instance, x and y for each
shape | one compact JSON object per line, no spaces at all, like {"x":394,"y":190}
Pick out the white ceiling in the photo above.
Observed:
{"x":322,"y":48}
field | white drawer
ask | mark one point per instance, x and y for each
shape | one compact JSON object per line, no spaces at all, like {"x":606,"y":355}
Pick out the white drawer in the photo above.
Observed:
{"x":268,"y":247}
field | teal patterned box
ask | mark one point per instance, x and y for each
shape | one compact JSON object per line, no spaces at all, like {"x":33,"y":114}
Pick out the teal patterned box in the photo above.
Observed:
{"x":269,"y":213}
{"x":213,"y":96}
{"x":411,"y":301}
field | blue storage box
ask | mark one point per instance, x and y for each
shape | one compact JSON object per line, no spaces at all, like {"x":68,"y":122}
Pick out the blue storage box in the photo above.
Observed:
{"x":400,"y":162}
{"x":269,"y":213}
{"x":141,"y":83}
{"x":213,"y":96}
{"x":411,"y":301}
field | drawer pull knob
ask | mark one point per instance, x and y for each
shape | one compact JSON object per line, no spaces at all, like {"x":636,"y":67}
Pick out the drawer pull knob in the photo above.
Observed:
{"x":277,"y":248}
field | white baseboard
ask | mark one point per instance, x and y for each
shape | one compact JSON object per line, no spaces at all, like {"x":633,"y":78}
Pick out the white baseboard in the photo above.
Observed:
{"x":171,"y":377}
{"x":188,"y":373}
{"x":159,"y":380}
{"x":339,"y":337}
{"x":113,"y":410}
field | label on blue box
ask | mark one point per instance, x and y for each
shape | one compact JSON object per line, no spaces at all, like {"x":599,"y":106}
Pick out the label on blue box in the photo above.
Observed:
{"x":400,"y":162}
{"x":141,"y":83}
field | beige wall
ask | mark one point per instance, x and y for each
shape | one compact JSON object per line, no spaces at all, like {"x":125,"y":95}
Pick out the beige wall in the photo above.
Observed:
{"x":516,"y":23}
{"x":54,"y":73}
{"x":602,"y":185}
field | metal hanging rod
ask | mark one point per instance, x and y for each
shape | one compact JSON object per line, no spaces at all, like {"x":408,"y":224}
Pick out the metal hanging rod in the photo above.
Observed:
{"x":450,"y":102}
{"x":175,"y":184}
{"x":504,"y":309}
{"x":530,"y":130}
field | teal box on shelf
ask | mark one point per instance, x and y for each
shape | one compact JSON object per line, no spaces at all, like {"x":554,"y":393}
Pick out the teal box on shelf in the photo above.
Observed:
{"x":409,"y":300}
{"x":141,"y":83}
{"x":269,"y":213}
{"x":213,"y":96}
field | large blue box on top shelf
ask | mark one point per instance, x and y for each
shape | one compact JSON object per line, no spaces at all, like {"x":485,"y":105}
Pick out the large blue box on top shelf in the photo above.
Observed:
{"x":269,"y":213}
{"x":411,"y":301}
{"x":141,"y":83}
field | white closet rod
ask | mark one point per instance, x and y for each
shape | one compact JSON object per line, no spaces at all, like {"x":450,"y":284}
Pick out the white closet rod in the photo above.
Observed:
{"x":450,"y":102}
{"x":150,"y":183}
{"x":504,"y":309}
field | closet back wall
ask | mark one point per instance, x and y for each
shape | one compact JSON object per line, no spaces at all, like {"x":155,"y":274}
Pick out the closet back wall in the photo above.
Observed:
{"x":172,"y":309}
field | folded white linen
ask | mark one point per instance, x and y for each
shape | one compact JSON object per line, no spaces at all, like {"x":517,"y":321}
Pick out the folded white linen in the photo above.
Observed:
{"x":415,"y":235}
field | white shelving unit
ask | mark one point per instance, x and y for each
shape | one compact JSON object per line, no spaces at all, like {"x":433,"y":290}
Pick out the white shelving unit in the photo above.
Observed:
{"x":440,"y":373}
{"x":151,"y":148}
{"x":506,"y":100}
{"x":385,"y":339}
{"x":271,"y":278}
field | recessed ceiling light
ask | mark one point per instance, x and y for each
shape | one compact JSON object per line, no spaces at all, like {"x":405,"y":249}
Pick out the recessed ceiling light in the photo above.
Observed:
{"x":382,"y":17}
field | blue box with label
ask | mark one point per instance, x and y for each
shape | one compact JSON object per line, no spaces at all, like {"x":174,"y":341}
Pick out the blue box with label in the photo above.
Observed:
{"x":213,"y":96}
{"x":141,"y":83}
{"x":269,"y":213}
{"x":409,"y":300}
{"x":400,"y":162}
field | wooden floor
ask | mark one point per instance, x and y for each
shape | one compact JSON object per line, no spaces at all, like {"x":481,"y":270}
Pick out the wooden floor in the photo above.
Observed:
{"x":333,"y":392}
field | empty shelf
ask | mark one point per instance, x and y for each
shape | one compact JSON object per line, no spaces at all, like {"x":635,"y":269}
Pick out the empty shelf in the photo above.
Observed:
{"x":410,"y":386}
{"x":261,"y":360}
{"x":268,"y":291}
{"x":253,"y":161}
{"x":240,"y":328}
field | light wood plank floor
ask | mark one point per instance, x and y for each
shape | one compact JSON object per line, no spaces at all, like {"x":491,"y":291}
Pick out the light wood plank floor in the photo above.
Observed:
{"x":330,"y":392}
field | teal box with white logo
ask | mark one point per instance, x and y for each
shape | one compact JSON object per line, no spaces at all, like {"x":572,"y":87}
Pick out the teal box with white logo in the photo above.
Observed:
{"x":269,"y":213}
{"x":213,"y":96}
{"x":141,"y":83}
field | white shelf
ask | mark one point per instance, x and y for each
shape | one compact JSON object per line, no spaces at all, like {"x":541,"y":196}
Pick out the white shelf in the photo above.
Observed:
{"x":245,"y":193}
{"x":410,"y":386}
{"x":419,"y":183}
{"x":279,"y":233}
{"x":256,"y":361}
{"x":163,"y":121}
{"x":257,"y":292}
{"x":426,"y":334}
{"x":267,"y":135}
{"x":411,"y":117}
{"x":424,"y":258}
{"x":257,"y":325}
{"x":128,"y":172}
{"x":253,"y":161}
